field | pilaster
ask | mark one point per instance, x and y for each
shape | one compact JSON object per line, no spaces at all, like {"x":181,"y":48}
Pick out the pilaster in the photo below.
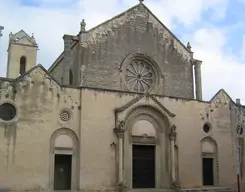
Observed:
{"x":198,"y":78}
{"x":67,"y":54}
{"x":119,"y":131}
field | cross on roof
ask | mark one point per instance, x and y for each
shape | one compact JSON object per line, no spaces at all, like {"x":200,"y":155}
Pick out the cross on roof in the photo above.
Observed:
{"x":141,"y":1}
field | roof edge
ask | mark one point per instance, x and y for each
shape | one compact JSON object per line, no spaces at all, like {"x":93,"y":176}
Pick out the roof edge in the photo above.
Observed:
{"x":171,"y":33}
{"x":225,"y":93}
{"x":166,"y":28}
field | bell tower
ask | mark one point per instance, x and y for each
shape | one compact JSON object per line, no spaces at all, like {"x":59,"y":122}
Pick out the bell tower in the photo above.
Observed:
{"x":22,"y":54}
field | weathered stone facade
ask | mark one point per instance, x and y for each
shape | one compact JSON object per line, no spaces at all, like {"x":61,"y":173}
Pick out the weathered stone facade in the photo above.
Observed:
{"x":124,"y":84}
{"x":103,"y":49}
{"x":21,"y":46}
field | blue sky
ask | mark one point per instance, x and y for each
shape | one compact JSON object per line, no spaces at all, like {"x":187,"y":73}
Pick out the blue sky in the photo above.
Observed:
{"x":215,"y":29}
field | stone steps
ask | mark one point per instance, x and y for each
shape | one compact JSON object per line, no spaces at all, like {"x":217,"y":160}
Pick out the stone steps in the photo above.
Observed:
{"x":214,"y":189}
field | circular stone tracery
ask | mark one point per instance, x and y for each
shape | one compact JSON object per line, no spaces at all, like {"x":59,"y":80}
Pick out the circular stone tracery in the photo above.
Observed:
{"x":65,"y":115}
{"x":139,"y":76}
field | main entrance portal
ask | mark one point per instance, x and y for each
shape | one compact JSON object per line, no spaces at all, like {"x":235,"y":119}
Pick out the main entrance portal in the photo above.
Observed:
{"x":143,"y":166}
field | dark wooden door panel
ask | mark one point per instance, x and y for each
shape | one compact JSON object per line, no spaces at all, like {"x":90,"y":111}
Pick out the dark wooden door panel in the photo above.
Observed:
{"x":143,"y":166}
{"x":208,"y":177}
{"x":62,"y":172}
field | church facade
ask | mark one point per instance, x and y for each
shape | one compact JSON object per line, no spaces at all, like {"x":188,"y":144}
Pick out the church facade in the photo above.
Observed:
{"x":121,"y":109}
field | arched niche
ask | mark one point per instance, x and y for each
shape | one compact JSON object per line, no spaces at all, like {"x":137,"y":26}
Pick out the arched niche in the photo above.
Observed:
{"x":146,"y":128}
{"x":70,"y":77}
{"x":210,"y":163}
{"x":64,"y":160}
{"x":63,"y":141}
{"x":143,"y":128}
{"x":22,"y":68}
{"x":208,"y":147}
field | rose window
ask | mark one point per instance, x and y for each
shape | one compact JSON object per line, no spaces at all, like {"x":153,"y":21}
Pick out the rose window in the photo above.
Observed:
{"x":65,"y":115}
{"x":139,"y":76}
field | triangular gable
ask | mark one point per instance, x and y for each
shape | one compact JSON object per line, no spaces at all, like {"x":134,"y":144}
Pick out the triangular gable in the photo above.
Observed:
{"x":35,"y":70}
{"x":25,"y":41}
{"x":136,"y":102}
{"x":221,"y":96}
{"x":35,"y":76}
{"x":23,"y":38}
{"x":220,"y":99}
{"x":99,"y":33}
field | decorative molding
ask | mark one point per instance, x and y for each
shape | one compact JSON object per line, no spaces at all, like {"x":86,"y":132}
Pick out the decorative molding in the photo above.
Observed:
{"x":147,"y":95}
{"x":172,"y":133}
{"x":161,"y":123}
{"x":75,"y":157}
{"x":64,"y":131}
{"x":145,"y":140}
{"x":119,"y":131}
{"x":162,"y":107}
{"x":65,"y":115}
{"x":101,"y":32}
{"x":140,"y":59}
{"x":215,"y":155}
{"x":129,"y":104}
{"x":221,"y":99}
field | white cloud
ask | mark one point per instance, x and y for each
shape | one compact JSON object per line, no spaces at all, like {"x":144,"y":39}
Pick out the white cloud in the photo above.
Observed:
{"x":189,"y":11}
{"x":50,"y":23}
{"x":218,"y":70}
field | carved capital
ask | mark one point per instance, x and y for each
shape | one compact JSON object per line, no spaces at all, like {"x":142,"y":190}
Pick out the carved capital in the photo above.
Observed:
{"x":172,"y":134}
{"x":67,"y":40}
{"x":119,"y":131}
{"x":197,"y":63}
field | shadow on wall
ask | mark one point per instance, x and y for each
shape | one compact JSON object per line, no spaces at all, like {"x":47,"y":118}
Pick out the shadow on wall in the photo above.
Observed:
{"x":4,"y":190}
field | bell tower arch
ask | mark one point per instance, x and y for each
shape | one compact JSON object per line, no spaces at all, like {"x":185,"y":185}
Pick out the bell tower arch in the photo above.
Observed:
{"x":22,"y":54}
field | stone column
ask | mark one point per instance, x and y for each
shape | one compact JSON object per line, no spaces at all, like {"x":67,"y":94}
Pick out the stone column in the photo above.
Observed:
{"x":172,"y":143}
{"x":198,"y":79}
{"x":67,"y":52}
{"x":120,"y":134}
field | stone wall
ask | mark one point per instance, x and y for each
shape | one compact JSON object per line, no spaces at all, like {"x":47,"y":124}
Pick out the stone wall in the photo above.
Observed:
{"x":60,"y":70}
{"x":25,"y":143}
{"x":135,"y":31}
{"x":97,"y":60}
{"x":189,"y":120}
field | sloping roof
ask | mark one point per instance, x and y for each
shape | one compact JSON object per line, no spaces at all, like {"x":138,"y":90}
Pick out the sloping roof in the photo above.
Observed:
{"x":23,"y":38}
{"x":153,"y":19}
{"x":98,"y":32}
{"x":21,"y":77}
{"x":221,"y":92}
